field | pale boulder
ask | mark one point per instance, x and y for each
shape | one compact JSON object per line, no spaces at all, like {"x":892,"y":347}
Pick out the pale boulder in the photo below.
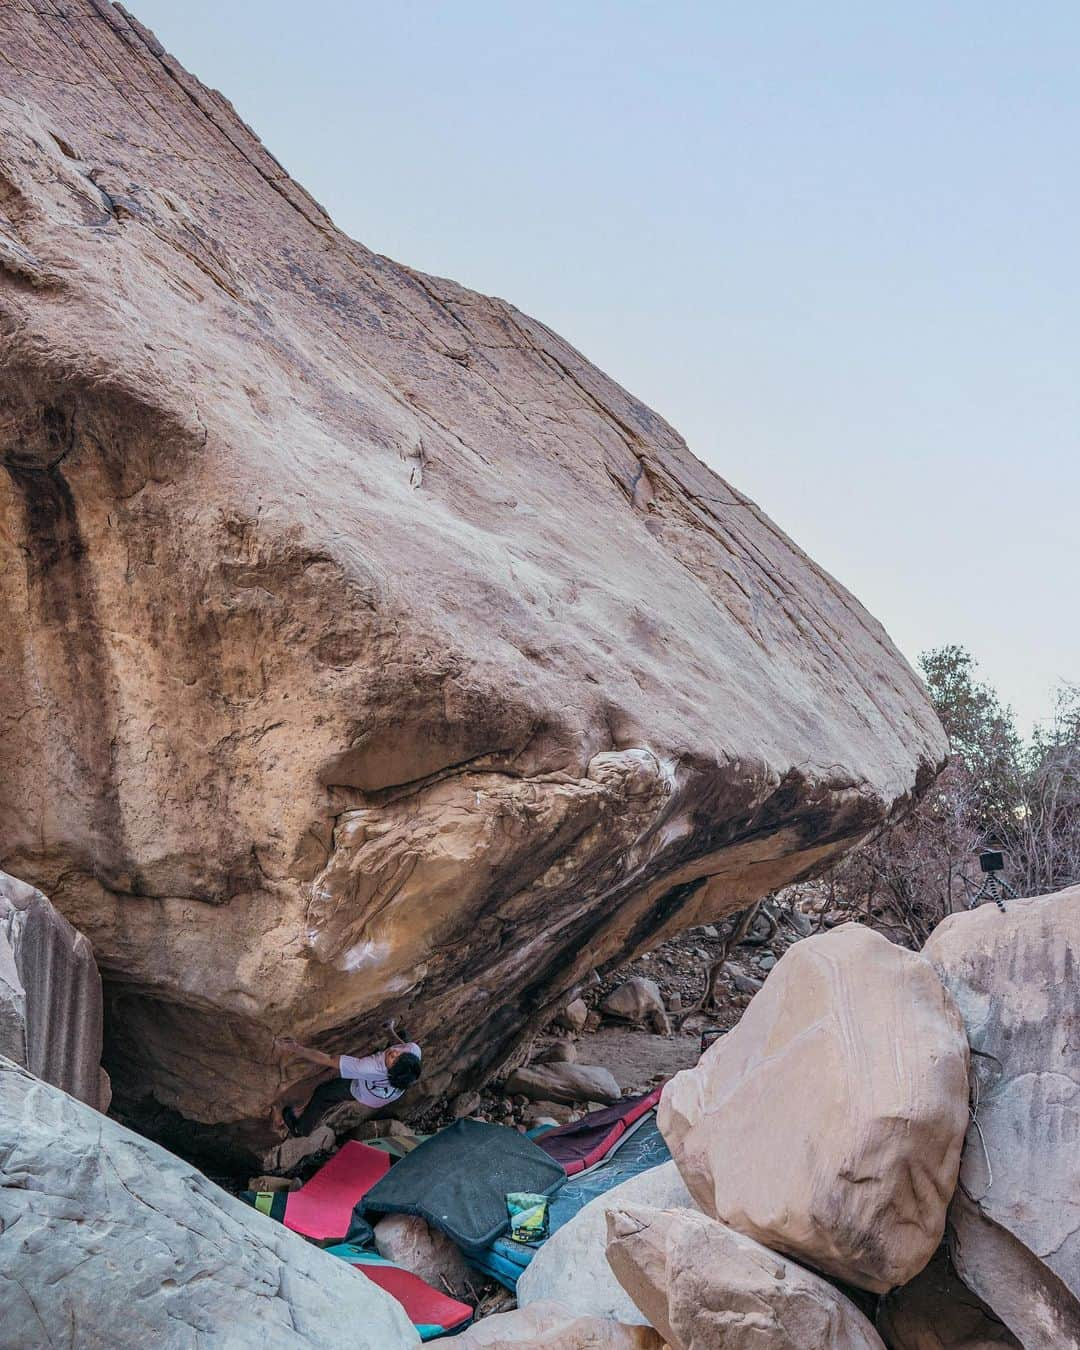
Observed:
{"x":635,"y":1000}
{"x":571,"y":1268}
{"x":574,"y":1016}
{"x":550,"y":1326}
{"x":411,"y":1242}
{"x":828,"y":1124}
{"x":1015,"y":1222}
{"x":50,"y":995}
{"x":703,"y":1286}
{"x":107,"y":1240}
{"x":565,"y":1082}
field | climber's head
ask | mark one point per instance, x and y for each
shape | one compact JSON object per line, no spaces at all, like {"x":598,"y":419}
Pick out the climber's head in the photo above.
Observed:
{"x":402,"y":1066}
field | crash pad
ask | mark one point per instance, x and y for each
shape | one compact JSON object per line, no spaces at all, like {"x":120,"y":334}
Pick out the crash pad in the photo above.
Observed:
{"x":322,"y":1208}
{"x":640,"y":1147}
{"x":431,"y":1312}
{"x":588,"y":1141}
{"x":458,"y":1181}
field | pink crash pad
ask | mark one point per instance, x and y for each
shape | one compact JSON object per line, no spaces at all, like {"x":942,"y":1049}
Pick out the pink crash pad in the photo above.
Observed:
{"x":322,"y":1208}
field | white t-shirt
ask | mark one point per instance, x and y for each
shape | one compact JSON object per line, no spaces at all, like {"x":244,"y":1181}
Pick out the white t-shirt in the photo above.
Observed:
{"x":370,"y":1085}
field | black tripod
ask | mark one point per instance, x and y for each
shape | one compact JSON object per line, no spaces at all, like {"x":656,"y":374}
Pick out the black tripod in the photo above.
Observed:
{"x":994,"y":886}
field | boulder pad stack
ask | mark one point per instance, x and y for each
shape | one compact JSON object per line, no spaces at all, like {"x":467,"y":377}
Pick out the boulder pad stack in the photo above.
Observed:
{"x":828,"y":1124}
{"x":367,"y":652}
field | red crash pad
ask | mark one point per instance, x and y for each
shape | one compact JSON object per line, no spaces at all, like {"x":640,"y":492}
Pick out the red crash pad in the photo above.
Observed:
{"x":322,"y":1208}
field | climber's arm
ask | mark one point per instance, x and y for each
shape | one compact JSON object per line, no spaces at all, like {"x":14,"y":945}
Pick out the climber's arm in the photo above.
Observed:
{"x":294,"y":1047}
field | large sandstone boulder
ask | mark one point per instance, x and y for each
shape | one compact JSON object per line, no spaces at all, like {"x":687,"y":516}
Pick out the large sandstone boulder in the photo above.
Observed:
{"x":1015,"y":1222}
{"x":704,"y":1286}
{"x":828,"y":1124}
{"x":550,"y":1326}
{"x":572,"y":1269}
{"x":107,"y":1240}
{"x":937,"y":1311}
{"x":366,"y":651}
{"x":50,"y":994}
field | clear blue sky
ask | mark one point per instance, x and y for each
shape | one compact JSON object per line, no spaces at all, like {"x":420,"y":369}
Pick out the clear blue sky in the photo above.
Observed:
{"x":836,"y":245}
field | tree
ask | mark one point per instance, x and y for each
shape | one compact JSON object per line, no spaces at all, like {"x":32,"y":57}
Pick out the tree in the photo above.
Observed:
{"x":997,"y":791}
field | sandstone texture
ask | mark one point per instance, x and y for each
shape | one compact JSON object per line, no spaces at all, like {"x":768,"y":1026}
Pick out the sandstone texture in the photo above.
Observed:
{"x":367,"y":652}
{"x":937,"y":1311}
{"x":550,"y":1326}
{"x":414,"y":1244}
{"x":572,"y":1268}
{"x":107,"y":1240}
{"x":50,"y":995}
{"x":829,"y":1123}
{"x":703,"y":1286}
{"x":1015,"y":1222}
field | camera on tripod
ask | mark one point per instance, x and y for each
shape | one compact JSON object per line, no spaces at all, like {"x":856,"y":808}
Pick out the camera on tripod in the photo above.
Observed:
{"x":994,"y":887}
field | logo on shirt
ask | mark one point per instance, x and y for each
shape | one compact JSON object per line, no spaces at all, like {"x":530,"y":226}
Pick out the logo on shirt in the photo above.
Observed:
{"x":381,"y":1088}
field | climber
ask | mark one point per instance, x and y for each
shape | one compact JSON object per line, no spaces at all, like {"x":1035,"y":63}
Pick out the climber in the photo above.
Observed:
{"x":374,"y":1081}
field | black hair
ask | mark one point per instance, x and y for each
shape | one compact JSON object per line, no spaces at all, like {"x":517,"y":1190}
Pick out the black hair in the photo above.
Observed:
{"x":404,"y":1071}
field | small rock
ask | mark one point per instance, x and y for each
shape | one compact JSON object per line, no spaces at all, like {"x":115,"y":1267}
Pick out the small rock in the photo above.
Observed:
{"x":634,"y":1000}
{"x":385,"y":1128}
{"x":767,"y":961}
{"x":274,"y":1184}
{"x":744,"y":984}
{"x":675,"y":1003}
{"x":658,"y":1022}
{"x":288,"y":1156}
{"x":567,"y":1083}
{"x":710,"y":930}
{"x":465,"y":1104}
{"x":801,"y":923}
{"x":412,"y":1243}
{"x":592,"y":1022}
{"x":561,"y":1051}
{"x":574,"y":1015}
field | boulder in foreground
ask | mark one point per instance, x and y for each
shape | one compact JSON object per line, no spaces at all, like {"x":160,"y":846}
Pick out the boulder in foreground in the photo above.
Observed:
{"x":1015,"y":1222}
{"x":572,"y":1269}
{"x":50,"y":995}
{"x":704,"y":1286}
{"x":105,"y":1233}
{"x":550,"y":1326}
{"x":828,"y":1124}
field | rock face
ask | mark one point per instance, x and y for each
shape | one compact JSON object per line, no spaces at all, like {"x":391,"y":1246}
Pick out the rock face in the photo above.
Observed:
{"x":550,"y":1326}
{"x":828,"y":1124}
{"x":572,"y":1269}
{"x":367,"y":652}
{"x":1015,"y":1222}
{"x":106,"y":1239}
{"x":50,"y":994}
{"x":937,"y":1311}
{"x":703,"y":1286}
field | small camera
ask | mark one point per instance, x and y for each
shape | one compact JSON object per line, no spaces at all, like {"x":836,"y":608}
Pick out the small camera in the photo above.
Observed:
{"x":992,"y":861}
